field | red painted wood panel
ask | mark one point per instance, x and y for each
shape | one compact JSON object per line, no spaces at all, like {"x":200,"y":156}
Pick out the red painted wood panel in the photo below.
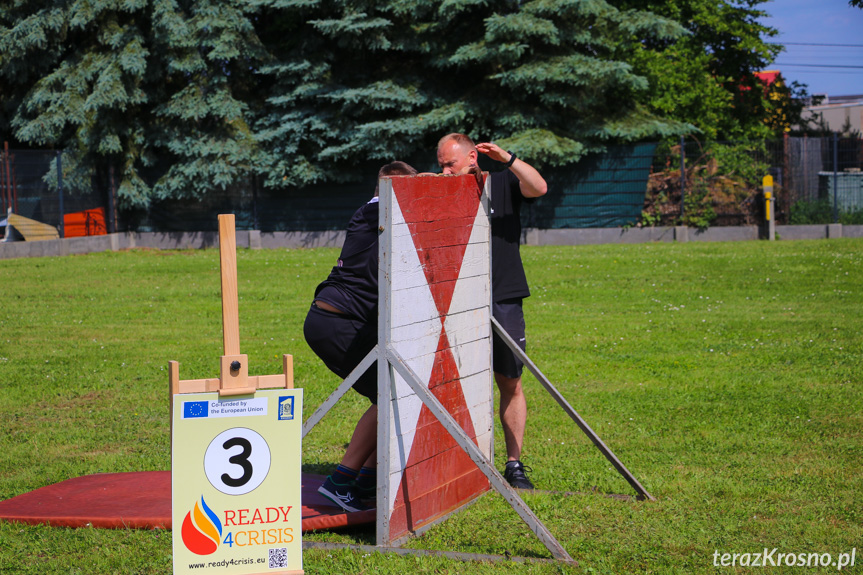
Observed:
{"x":440,"y":251}
{"x":436,"y":440}
{"x":428,"y":470}
{"x":438,"y":198}
{"x":434,"y":504}
{"x":438,"y":476}
{"x":438,"y":232}
{"x":441,"y":468}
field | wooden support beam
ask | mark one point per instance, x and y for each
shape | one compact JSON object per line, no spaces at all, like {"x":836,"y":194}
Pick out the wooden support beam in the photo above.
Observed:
{"x":230,"y":298}
{"x":572,"y":413}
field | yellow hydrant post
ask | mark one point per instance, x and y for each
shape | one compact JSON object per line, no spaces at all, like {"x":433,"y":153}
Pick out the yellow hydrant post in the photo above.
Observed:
{"x":769,"y":200}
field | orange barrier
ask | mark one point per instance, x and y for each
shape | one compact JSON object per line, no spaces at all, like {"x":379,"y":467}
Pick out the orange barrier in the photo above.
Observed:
{"x":142,"y":500}
{"x":86,"y":223}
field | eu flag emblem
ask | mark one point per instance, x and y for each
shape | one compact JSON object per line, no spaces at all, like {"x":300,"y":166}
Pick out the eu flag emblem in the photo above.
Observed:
{"x":193,"y":409}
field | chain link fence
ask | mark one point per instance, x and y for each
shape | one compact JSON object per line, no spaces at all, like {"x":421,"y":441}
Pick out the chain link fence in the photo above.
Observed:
{"x":29,"y":187}
{"x":684,"y":182}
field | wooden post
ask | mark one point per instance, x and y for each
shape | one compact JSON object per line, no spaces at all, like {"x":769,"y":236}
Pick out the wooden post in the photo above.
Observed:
{"x":61,"y":226}
{"x":234,"y":376}
{"x":14,"y":184}
{"x":682,"y":177}
{"x":173,"y":389}
{"x":112,"y":201}
{"x":234,"y":368}
{"x":230,"y":298}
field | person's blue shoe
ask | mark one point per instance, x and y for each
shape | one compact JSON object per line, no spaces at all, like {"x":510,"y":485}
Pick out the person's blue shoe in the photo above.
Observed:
{"x":345,"y":496}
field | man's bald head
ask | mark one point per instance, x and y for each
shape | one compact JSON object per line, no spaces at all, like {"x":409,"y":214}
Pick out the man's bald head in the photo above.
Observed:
{"x":456,"y":154}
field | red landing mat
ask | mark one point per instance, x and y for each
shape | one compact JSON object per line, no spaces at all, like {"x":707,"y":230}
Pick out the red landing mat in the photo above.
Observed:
{"x":142,"y":500}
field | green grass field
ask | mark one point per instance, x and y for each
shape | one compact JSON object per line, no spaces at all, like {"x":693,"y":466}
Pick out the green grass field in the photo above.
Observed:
{"x":726,"y":377}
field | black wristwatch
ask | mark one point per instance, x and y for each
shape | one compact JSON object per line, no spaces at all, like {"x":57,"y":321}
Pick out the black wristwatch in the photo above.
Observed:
{"x":511,"y":160}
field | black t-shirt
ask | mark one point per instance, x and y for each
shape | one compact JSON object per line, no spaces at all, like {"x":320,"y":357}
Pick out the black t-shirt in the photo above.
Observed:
{"x":507,"y":272}
{"x":352,"y":285}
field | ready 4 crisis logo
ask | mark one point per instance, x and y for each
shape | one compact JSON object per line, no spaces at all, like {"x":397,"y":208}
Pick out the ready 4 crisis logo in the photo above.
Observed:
{"x":203,"y":532}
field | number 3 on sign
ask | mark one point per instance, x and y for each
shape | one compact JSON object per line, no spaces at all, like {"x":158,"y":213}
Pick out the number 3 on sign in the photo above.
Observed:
{"x":237,"y":461}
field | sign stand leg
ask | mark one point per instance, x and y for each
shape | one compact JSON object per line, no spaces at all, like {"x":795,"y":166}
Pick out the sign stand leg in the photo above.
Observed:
{"x":642,"y":492}
{"x":340,"y":391}
{"x":456,"y":432}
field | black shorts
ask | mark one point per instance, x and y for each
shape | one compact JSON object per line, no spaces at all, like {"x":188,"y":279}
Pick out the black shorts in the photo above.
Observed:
{"x":510,"y":316}
{"x":342,"y":342}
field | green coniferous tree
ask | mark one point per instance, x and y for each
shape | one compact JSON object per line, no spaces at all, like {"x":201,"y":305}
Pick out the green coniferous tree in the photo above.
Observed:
{"x":358,"y":80}
{"x":336,"y":68}
{"x":181,"y":96}
{"x":549,"y":78}
{"x":158,"y":90}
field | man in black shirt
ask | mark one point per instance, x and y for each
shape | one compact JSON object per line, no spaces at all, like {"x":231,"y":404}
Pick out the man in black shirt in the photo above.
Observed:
{"x":342,"y":328}
{"x":518,"y":183}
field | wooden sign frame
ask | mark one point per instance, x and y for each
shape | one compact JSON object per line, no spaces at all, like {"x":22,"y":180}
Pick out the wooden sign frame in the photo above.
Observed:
{"x":234,"y":381}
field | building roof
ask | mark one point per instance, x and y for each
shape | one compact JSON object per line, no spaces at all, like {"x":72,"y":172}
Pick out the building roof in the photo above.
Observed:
{"x":768,"y":76}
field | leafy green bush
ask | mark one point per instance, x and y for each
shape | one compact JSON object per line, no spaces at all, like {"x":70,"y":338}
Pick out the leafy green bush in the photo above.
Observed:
{"x":721,"y":182}
{"x":817,"y":212}
{"x":851,"y":218}
{"x":742,"y":161}
{"x":821,"y":212}
{"x":698,"y":207}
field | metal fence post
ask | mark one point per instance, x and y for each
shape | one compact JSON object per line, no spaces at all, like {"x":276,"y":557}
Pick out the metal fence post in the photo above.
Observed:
{"x":835,"y":177}
{"x":682,"y":175}
{"x":112,"y":210}
{"x":7,"y":179}
{"x":256,"y":225}
{"x":60,"y":192}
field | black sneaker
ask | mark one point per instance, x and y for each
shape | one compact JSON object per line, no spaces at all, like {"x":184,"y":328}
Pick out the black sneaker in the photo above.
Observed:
{"x":367,"y":492}
{"x":345,"y":496}
{"x":514,"y":474}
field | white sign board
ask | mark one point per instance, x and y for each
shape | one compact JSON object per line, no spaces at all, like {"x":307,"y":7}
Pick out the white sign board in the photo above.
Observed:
{"x":235,"y":479}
